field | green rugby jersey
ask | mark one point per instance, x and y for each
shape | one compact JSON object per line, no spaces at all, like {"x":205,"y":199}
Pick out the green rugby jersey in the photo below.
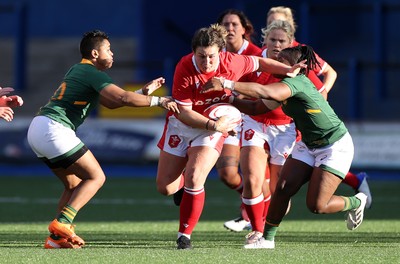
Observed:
{"x":77,"y":95}
{"x":314,"y":117}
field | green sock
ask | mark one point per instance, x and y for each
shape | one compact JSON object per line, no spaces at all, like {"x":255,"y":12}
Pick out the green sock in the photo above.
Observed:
{"x":67,"y":214}
{"x":270,"y":229}
{"x":350,"y":203}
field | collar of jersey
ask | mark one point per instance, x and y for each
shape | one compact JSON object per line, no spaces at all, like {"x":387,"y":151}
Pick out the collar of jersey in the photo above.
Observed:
{"x":86,"y":61}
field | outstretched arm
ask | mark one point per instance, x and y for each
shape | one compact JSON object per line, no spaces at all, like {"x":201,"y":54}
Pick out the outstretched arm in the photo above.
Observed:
{"x":151,"y":87}
{"x":6,"y":90}
{"x":6,"y":113}
{"x":257,"y":107}
{"x":275,"y":91}
{"x":112,"y":96}
{"x":11,"y":101}
{"x":279,"y":68}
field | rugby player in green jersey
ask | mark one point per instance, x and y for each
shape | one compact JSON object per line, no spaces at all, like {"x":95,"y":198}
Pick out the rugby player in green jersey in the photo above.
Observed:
{"x":321,"y":158}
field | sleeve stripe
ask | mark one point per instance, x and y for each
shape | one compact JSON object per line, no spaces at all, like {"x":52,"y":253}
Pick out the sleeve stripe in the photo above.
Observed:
{"x":183,"y":103}
{"x":256,"y":63}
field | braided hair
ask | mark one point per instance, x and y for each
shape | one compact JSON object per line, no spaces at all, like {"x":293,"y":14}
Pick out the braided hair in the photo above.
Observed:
{"x":298,"y":53}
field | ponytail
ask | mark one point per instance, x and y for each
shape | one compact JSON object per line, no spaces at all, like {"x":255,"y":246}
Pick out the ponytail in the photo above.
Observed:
{"x":299,"y":53}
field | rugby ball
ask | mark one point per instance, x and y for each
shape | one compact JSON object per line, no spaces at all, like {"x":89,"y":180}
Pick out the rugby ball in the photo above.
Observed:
{"x":215,"y":111}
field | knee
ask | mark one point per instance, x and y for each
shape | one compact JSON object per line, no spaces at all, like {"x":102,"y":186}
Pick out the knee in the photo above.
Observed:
{"x":230,"y":178}
{"x":162,"y":190}
{"x":284,"y":190}
{"x":166,"y":189}
{"x":315,"y":207}
{"x":71,"y":186}
{"x":101,"y":181}
{"x":71,"y":183}
{"x":223,"y":175}
{"x":227,"y":168}
{"x":312,"y":208}
{"x":98,"y":181}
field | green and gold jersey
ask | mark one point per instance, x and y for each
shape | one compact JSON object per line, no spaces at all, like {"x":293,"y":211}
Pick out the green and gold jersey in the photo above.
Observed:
{"x":314,"y":117}
{"x":77,"y":95}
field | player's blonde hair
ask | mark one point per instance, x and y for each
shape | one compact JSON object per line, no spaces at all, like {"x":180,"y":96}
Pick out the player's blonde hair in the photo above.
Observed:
{"x":286,"y":11}
{"x":278,"y":24}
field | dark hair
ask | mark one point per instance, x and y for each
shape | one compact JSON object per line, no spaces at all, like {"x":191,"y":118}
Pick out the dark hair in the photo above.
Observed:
{"x":91,"y":40}
{"x":248,"y":26}
{"x":206,"y":37}
{"x":298,"y":53}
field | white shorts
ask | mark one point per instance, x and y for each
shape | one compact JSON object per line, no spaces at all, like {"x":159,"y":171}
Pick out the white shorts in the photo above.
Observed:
{"x":235,"y":140}
{"x":279,"y":138}
{"x":50,"y":139}
{"x":335,"y":158}
{"x":178,"y":138}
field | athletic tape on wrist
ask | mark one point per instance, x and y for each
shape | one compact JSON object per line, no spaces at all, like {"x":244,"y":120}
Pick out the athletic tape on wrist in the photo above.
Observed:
{"x":155,"y":101}
{"x":228,"y":84}
{"x":140,"y":91}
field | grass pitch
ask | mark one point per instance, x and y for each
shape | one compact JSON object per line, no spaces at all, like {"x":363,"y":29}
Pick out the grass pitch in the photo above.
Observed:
{"x":129,"y":222}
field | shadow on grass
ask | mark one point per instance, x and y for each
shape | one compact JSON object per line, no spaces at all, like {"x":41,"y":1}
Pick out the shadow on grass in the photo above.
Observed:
{"x":202,"y":239}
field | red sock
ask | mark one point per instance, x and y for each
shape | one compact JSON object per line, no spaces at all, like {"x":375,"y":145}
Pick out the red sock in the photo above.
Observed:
{"x":255,"y":208}
{"x":190,"y":209}
{"x":267,"y":200}
{"x":351,"y":180}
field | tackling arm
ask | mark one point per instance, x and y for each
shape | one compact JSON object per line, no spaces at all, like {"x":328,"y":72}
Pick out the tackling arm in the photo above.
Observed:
{"x":113,"y":96}
{"x":279,"y":68}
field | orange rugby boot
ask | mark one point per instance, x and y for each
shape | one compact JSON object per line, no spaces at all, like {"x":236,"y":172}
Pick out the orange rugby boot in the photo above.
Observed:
{"x":51,"y":243}
{"x":66,"y":231}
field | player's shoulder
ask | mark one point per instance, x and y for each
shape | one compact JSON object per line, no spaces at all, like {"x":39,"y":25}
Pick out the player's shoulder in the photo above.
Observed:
{"x":253,"y":49}
{"x":185,"y":65}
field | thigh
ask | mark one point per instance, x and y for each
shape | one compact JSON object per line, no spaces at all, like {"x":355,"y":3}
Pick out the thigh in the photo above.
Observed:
{"x":294,"y":174}
{"x":69,"y":180}
{"x":169,"y":169}
{"x":253,"y":163}
{"x":85,"y":168}
{"x":201,"y":160}
{"x":321,"y":187}
{"x":274,"y":176}
{"x":229,"y":157}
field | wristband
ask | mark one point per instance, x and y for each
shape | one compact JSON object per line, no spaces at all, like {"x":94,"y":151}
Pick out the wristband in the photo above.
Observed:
{"x":208,"y":121}
{"x":228,"y":84}
{"x":140,"y":91}
{"x":215,"y":126}
{"x":155,"y":101}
